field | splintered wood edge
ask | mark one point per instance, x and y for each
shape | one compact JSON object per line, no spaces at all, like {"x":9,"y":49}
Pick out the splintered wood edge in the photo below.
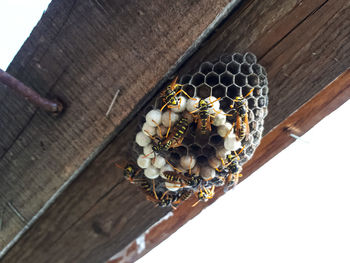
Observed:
{"x":298,"y":123}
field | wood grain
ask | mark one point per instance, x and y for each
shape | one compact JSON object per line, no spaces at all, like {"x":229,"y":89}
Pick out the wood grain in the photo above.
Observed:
{"x":99,"y":213}
{"x":83,"y":52}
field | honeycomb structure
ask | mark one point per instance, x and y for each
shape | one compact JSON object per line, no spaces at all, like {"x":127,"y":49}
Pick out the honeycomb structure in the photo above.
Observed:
{"x":229,"y":77}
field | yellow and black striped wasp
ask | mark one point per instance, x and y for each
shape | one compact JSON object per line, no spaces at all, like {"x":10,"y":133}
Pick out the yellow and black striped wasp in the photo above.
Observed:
{"x":186,"y":179}
{"x":165,"y":200}
{"x":233,"y":168}
{"x":204,"y":194}
{"x":168,"y":95}
{"x":173,"y":140}
{"x":203,"y":118}
{"x":240,"y":105}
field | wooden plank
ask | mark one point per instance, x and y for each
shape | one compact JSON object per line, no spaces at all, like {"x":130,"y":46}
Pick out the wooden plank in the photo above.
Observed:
{"x":86,"y":214}
{"x":321,"y":105}
{"x":83,"y":52}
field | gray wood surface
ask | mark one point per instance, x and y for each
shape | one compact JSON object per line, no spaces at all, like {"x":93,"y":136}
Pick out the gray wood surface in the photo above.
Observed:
{"x":83,"y":52}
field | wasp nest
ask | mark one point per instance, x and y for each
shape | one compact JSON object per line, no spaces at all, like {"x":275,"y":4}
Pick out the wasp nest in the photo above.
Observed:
{"x":201,"y":130}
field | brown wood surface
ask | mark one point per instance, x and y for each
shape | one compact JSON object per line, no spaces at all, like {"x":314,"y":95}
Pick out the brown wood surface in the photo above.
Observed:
{"x":318,"y":107}
{"x":100,"y":213}
{"x":83,"y":52}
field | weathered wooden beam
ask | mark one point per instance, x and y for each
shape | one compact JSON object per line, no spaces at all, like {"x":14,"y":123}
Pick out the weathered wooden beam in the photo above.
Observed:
{"x":102,"y":213}
{"x":83,"y":52}
{"x":308,"y":115}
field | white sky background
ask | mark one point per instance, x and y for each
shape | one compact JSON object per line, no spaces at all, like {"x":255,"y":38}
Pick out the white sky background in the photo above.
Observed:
{"x":17,"y":20}
{"x":296,"y":208}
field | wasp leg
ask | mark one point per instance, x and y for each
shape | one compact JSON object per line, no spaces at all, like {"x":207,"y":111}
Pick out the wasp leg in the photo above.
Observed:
{"x":229,"y":131}
{"x":159,"y":130}
{"x":173,"y":166}
{"x":184,"y":92}
{"x":154,"y":190}
{"x":164,"y":106}
{"x":167,"y":133}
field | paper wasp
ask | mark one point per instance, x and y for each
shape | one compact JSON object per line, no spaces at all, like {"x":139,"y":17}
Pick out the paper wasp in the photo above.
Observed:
{"x":186,"y":179}
{"x":233,"y":168}
{"x":241,"y":107}
{"x":168,"y":95}
{"x":164,"y":200}
{"x":204,"y":194}
{"x":174,"y":139}
{"x":203,"y":116}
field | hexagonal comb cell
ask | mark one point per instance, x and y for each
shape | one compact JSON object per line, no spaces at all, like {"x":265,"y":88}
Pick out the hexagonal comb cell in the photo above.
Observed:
{"x":206,"y":67}
{"x":203,"y":91}
{"x":226,"y":58}
{"x":230,"y":79}
{"x":226,"y":79}
{"x":197,"y":79}
{"x":219,"y":91}
{"x":212,"y":79}
{"x":233,"y":67}
{"x":219,"y":68}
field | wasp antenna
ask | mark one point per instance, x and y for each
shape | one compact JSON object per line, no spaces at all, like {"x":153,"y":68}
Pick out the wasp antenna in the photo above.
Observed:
{"x":211,"y":102}
{"x":249,"y":92}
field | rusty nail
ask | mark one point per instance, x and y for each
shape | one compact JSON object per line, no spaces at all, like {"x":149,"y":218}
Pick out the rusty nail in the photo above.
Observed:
{"x":53,"y":106}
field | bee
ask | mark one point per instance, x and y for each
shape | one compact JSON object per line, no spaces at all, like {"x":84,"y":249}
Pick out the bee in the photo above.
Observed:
{"x":203,"y":117}
{"x":168,"y":95}
{"x":129,"y":172}
{"x":241,"y":107}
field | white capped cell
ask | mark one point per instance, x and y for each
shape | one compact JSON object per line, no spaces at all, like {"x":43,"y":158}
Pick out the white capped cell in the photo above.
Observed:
{"x":225,"y":129}
{"x":153,"y":118}
{"x":187,"y":162}
{"x":191,"y":105}
{"x":207,"y":173}
{"x":222,"y":153}
{"x":214,"y":162}
{"x":220,"y":119}
{"x":231,"y":143}
{"x":215,"y":105}
{"x":142,"y":139}
{"x":148,"y":130}
{"x":195,"y":170}
{"x":182,"y":105}
{"x":172,"y":186}
{"x":143,"y":162}
{"x":151,"y":172}
{"x":159,"y":162}
{"x":166,"y":118}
